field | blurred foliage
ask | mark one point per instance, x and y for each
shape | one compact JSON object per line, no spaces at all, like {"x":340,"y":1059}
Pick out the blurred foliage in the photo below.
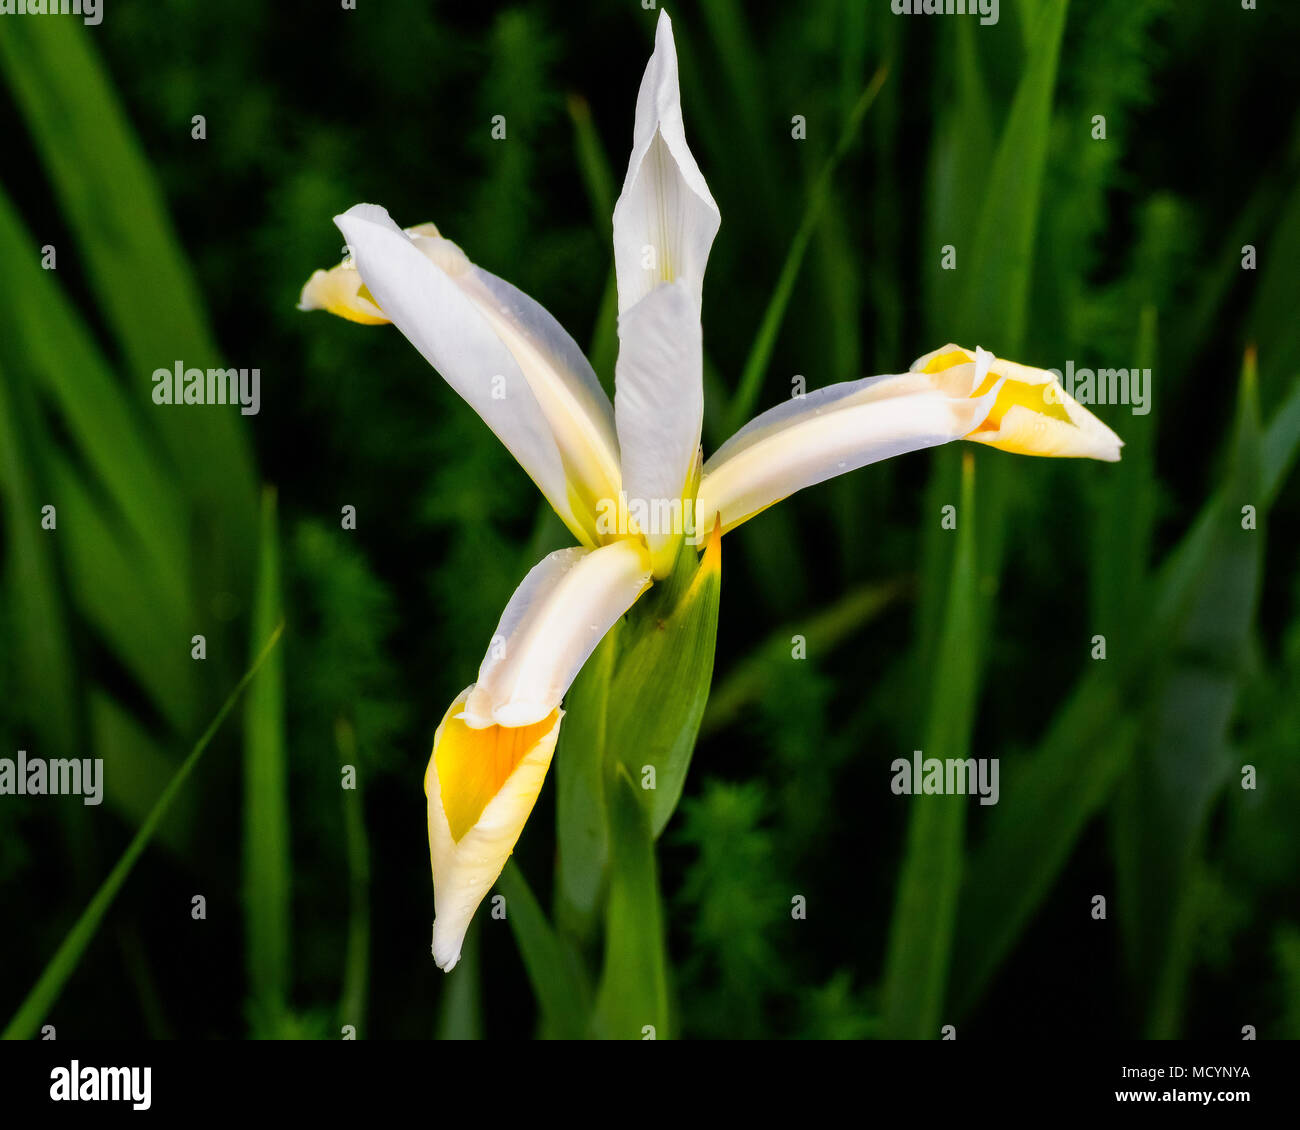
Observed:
{"x":1119,"y":777}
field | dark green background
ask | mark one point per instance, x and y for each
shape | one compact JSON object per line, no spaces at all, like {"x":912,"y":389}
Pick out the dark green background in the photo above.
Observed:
{"x":1134,"y":251}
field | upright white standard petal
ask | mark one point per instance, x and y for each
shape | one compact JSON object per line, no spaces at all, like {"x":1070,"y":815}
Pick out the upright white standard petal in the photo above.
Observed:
{"x":480,"y":786}
{"x":833,"y":430}
{"x":659,"y":406}
{"x":466,"y":345}
{"x":554,"y":621}
{"x":665,"y":218}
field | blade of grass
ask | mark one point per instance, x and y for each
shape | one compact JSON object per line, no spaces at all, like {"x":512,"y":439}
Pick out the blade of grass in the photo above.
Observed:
{"x":44,"y":659}
{"x":745,"y":398}
{"x":138,"y":762}
{"x":994,"y":301}
{"x":1044,"y":807}
{"x":633,"y":994}
{"x":460,"y":1012}
{"x":581,"y":820}
{"x":735,"y":64}
{"x":27,"y":1019}
{"x":925,"y":911}
{"x":1186,"y":758}
{"x":1126,"y":513}
{"x":1047,"y":802}
{"x":146,"y":988}
{"x":553,"y":969}
{"x":43,"y":644}
{"x":45,"y":345}
{"x":1000,"y":264}
{"x":121,"y":594}
{"x":356,"y":965}
{"x":961,"y":155}
{"x":266,"y":804}
{"x":593,"y":164}
{"x":1272,"y":323}
{"x":604,"y":338}
{"x":136,"y":268}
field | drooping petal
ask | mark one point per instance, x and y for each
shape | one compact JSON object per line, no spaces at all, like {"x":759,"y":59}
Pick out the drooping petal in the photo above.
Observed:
{"x":480,"y":786}
{"x":508,"y":359}
{"x":659,"y":405}
{"x":558,"y":372}
{"x":665,"y":218}
{"x":554,"y":621}
{"x":833,"y":430}
{"x":1033,"y":414}
{"x":338,"y":291}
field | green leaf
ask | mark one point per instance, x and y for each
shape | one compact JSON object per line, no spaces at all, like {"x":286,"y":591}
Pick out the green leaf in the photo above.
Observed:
{"x":45,"y":992}
{"x":593,"y":163}
{"x":135,"y":762}
{"x":604,"y":339}
{"x":45,"y":664}
{"x":581,"y":822}
{"x":661,"y":682}
{"x":552,"y":967}
{"x":1048,"y":800}
{"x":633,"y":994}
{"x":1184,"y":760}
{"x":760,"y":353}
{"x":136,"y":269}
{"x":356,"y":968}
{"x":45,"y":347}
{"x":1044,"y":805}
{"x":960,"y":156}
{"x":123,"y":595}
{"x":992,"y":310}
{"x":460,"y":1011}
{"x":638,"y":701}
{"x":999,"y":265}
{"x":921,"y":933}
{"x":1272,"y":323}
{"x":1125,"y":512}
{"x":267,"y":881}
{"x":738,"y":123}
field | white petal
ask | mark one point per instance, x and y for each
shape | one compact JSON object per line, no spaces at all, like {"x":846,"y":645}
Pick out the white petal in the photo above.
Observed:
{"x":464,"y":869}
{"x":665,"y":218}
{"x":554,"y":621}
{"x":833,"y":430}
{"x":659,"y":406}
{"x":562,"y":379}
{"x":454,"y":336}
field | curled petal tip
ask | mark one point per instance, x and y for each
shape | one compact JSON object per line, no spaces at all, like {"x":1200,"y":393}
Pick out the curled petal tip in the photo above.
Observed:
{"x":1029,"y":412}
{"x":480,"y":787}
{"x":446,"y":954}
{"x":340,"y":292}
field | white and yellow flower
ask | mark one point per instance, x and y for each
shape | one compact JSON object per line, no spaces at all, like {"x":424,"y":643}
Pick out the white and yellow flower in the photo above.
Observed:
{"x":531,"y":384}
